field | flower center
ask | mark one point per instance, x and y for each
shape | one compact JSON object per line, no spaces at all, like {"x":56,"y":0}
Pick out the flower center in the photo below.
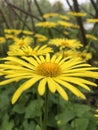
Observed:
{"x":48,"y":69}
{"x":64,"y":43}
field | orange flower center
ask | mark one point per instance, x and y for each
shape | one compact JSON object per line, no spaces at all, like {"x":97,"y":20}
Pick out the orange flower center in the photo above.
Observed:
{"x":48,"y":69}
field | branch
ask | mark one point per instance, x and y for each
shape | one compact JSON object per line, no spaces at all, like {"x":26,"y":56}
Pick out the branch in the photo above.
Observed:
{"x":71,"y":8}
{"x":95,"y":7}
{"x":4,"y":18}
{"x":80,"y":22}
{"x":40,"y":11}
{"x":23,"y":11}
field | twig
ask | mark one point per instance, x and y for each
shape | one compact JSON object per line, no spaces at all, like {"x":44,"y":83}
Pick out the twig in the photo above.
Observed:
{"x":80,"y":22}
{"x":23,"y":11}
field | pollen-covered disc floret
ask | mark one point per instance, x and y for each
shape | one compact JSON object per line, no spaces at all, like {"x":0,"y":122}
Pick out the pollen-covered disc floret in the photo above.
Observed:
{"x":48,"y":69}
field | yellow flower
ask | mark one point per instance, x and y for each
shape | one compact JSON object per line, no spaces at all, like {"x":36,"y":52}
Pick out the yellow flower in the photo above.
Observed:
{"x":67,"y":24}
{"x":13,"y":31}
{"x":10,"y":36}
{"x":47,"y":15}
{"x":46,"y":24}
{"x":2,"y":40}
{"x":57,"y":72}
{"x":63,"y":17}
{"x":92,"y":37}
{"x":40,"y":37}
{"x":26,"y":32}
{"x":75,"y":53}
{"x":29,"y":51}
{"x":19,"y":42}
{"x":77,"y":14}
{"x":71,"y":43}
{"x":96,"y":113}
{"x":94,"y":20}
{"x":17,"y":32}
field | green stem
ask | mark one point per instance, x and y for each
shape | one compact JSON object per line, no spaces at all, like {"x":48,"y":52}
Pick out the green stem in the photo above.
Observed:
{"x":89,"y":43}
{"x":46,"y":110}
{"x":39,"y":108}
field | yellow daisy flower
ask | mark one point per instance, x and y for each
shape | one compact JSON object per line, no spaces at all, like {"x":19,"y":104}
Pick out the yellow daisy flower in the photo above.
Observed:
{"x":63,"y":17}
{"x":10,"y":36}
{"x":96,"y":113}
{"x":19,"y":42}
{"x":94,"y":20}
{"x":2,"y":40}
{"x":57,"y":72}
{"x":29,"y":51}
{"x":74,"y":53}
{"x":92,"y":37}
{"x":70,"y":43}
{"x":77,"y":14}
{"x":13,"y":31}
{"x":67,"y":24}
{"x":40,"y":37}
{"x":46,"y":24}
{"x":47,"y":15}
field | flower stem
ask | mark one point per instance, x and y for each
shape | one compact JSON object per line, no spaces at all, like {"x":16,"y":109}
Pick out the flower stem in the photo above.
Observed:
{"x":46,"y":110}
{"x":39,"y":105}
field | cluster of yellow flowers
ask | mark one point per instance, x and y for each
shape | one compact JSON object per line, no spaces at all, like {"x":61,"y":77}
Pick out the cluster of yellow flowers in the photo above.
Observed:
{"x":54,"y":62}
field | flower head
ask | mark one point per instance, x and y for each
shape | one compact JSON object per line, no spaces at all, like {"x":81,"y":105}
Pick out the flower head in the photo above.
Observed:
{"x":47,"y":15}
{"x":2,"y":40}
{"x":29,"y":51}
{"x":92,"y":37}
{"x":62,"y":42}
{"x":56,"y":72}
{"x":95,"y":20}
{"x":77,"y":14}
{"x":46,"y":24}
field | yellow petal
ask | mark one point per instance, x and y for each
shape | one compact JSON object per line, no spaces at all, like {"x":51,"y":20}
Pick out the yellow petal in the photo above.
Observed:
{"x":73,"y":89}
{"x":31,"y":60}
{"x":21,"y":62}
{"x":48,"y":57}
{"x":81,"y":82}
{"x":26,"y":85}
{"x":61,"y":92}
{"x":51,"y":85}
{"x":41,"y":86}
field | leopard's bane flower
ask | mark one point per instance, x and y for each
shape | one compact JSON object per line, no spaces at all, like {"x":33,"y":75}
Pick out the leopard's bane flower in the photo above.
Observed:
{"x":29,"y":51}
{"x":96,"y":113}
{"x":57,"y":72}
{"x":63,"y":43}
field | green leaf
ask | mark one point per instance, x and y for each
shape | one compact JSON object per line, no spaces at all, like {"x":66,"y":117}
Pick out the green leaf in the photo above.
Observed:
{"x":80,"y":124}
{"x":33,"y":109}
{"x":29,"y":125}
{"x":37,"y":127}
{"x":80,"y":109}
{"x":65,"y":117}
{"x":66,"y":127}
{"x":6,"y":124}
{"x":19,"y":108}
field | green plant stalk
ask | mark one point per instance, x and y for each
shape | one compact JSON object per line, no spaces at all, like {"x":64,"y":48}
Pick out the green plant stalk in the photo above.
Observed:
{"x":39,"y":108}
{"x":89,"y":43}
{"x":46,"y":110}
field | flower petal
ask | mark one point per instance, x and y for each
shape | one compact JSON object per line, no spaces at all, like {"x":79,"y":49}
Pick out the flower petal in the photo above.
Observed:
{"x":26,"y":85}
{"x":41,"y":86}
{"x":51,"y":85}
